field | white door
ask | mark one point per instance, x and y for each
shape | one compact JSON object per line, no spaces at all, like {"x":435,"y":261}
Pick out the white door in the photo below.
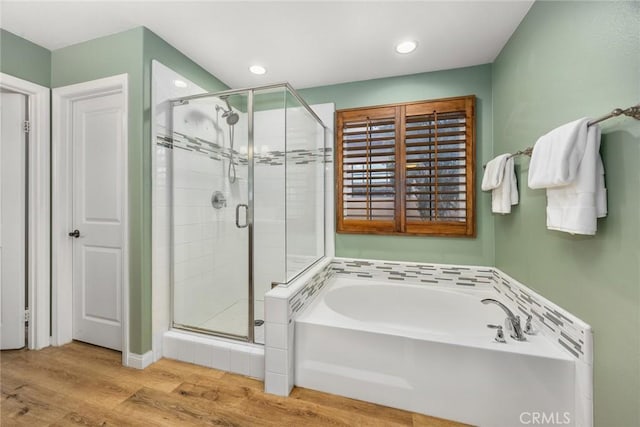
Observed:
{"x":99,"y":176}
{"x":12,"y":220}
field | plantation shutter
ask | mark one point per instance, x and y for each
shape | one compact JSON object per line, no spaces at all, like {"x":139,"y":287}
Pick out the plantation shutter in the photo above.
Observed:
{"x":438,"y":166}
{"x":407,"y":169}
{"x":367,"y":170}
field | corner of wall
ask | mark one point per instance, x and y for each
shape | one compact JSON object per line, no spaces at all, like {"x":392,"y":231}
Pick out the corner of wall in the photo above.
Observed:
{"x":24,"y":59}
{"x":155,"y":47}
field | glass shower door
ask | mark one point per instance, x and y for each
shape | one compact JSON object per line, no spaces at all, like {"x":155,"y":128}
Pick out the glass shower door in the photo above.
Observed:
{"x":212,"y":215}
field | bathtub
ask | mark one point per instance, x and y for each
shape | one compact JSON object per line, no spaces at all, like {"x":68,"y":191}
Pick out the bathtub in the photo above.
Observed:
{"x":426,"y":348}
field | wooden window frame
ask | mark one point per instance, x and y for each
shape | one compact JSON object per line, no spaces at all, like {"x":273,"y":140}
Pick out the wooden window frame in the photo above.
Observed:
{"x":399,"y":225}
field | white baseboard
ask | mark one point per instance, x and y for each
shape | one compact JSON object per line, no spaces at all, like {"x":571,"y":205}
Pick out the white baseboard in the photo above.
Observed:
{"x":140,"y":361}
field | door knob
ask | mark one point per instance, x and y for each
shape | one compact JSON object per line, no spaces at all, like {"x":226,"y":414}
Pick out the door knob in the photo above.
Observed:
{"x":75,"y":233}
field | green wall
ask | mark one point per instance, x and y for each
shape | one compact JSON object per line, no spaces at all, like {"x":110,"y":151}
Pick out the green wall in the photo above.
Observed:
{"x":440,"y":84}
{"x":569,"y":60}
{"x":132,"y":52}
{"x":23,"y":59}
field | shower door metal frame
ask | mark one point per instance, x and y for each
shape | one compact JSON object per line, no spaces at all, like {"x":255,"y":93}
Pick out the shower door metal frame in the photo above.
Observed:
{"x":251,"y":309}
{"x":250,"y":338}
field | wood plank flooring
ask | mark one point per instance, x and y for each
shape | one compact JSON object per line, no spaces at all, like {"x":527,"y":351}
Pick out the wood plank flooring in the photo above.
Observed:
{"x":83,"y":385}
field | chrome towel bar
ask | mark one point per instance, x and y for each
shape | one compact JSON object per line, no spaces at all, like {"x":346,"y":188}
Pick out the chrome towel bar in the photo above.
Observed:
{"x":633,"y":111}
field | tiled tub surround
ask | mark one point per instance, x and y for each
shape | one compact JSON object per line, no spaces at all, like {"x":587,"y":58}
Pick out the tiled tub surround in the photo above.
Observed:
{"x":282,"y":305}
{"x":561,"y":328}
{"x":564,"y":329}
{"x":572,"y":334}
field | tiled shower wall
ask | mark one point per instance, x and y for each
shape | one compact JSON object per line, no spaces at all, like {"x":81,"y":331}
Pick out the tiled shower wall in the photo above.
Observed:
{"x":269,"y":200}
{"x":305,"y":160}
{"x":188,"y":169}
{"x":300,"y":201}
{"x":206,"y":239}
{"x":198,"y":159}
{"x":163,"y":89}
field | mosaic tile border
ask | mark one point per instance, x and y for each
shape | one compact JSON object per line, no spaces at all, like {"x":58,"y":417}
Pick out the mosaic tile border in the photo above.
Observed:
{"x":561,"y":326}
{"x":271,"y":158}
{"x":309,"y":291}
{"x":414,"y":273}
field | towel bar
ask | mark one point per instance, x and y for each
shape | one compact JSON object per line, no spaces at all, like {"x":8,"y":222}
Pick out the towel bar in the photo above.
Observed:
{"x":633,"y":111}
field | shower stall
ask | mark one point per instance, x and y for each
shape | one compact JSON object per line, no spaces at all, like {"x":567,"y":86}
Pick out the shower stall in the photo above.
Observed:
{"x":247,"y":204}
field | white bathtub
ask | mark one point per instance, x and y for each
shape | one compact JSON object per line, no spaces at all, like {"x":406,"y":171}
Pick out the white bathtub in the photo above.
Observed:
{"x":427,"y":349}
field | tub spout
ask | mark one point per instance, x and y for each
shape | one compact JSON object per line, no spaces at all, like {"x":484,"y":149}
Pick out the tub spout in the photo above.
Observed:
{"x":512,"y":322}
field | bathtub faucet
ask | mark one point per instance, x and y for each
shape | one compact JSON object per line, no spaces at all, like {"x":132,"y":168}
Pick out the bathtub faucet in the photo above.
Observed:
{"x":512,"y":323}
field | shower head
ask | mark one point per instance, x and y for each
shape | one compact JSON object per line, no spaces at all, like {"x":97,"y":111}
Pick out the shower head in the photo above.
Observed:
{"x":231,"y":116}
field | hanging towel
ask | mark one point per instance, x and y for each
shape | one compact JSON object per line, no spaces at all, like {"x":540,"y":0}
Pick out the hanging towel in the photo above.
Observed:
{"x":556,"y":155}
{"x":500,"y":178}
{"x":573,"y":175}
{"x":494,"y":172}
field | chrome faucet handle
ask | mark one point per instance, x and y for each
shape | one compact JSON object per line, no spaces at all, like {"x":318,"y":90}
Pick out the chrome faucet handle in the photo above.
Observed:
{"x":528,"y":327}
{"x":499,"y":334}
{"x":512,"y":322}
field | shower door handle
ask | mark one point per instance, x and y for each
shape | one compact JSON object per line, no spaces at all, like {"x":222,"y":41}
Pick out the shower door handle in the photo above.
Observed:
{"x":246,"y":210}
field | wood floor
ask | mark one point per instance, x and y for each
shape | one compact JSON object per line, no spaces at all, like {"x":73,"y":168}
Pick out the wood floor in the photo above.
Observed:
{"x":79,"y":384}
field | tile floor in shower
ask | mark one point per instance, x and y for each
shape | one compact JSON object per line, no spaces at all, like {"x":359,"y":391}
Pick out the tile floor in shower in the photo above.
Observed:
{"x":233,"y":320}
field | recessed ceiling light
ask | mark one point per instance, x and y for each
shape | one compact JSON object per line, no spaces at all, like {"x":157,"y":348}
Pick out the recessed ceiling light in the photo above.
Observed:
{"x":406,"y":46}
{"x":257,"y":69}
{"x":180,"y":83}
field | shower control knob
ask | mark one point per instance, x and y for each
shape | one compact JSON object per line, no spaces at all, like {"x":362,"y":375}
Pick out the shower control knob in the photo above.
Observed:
{"x":74,"y":233}
{"x":218,"y":201}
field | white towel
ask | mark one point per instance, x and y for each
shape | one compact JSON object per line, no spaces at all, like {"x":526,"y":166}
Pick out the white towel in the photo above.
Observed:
{"x":494,"y":172}
{"x":556,"y":155}
{"x":574,"y":206}
{"x":500,"y":178}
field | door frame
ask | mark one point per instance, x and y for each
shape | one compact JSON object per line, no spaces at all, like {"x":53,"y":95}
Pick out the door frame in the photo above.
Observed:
{"x":38,"y":256}
{"x":62,"y":205}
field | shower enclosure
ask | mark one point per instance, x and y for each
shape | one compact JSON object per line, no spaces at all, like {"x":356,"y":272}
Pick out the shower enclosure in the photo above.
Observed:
{"x":247,"y":204}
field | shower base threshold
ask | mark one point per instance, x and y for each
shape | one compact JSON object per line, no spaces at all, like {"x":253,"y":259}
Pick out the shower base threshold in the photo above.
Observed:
{"x":232,"y":321}
{"x":213,"y":352}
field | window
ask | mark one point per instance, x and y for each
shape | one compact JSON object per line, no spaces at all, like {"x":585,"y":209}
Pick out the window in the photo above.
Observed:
{"x":407,"y":168}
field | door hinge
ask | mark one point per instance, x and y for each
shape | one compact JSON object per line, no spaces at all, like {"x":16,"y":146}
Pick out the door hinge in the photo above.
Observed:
{"x":27,"y":315}
{"x":27,"y":126}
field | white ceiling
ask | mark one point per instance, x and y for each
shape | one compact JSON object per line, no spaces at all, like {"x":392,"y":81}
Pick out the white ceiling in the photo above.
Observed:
{"x":307,"y":43}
